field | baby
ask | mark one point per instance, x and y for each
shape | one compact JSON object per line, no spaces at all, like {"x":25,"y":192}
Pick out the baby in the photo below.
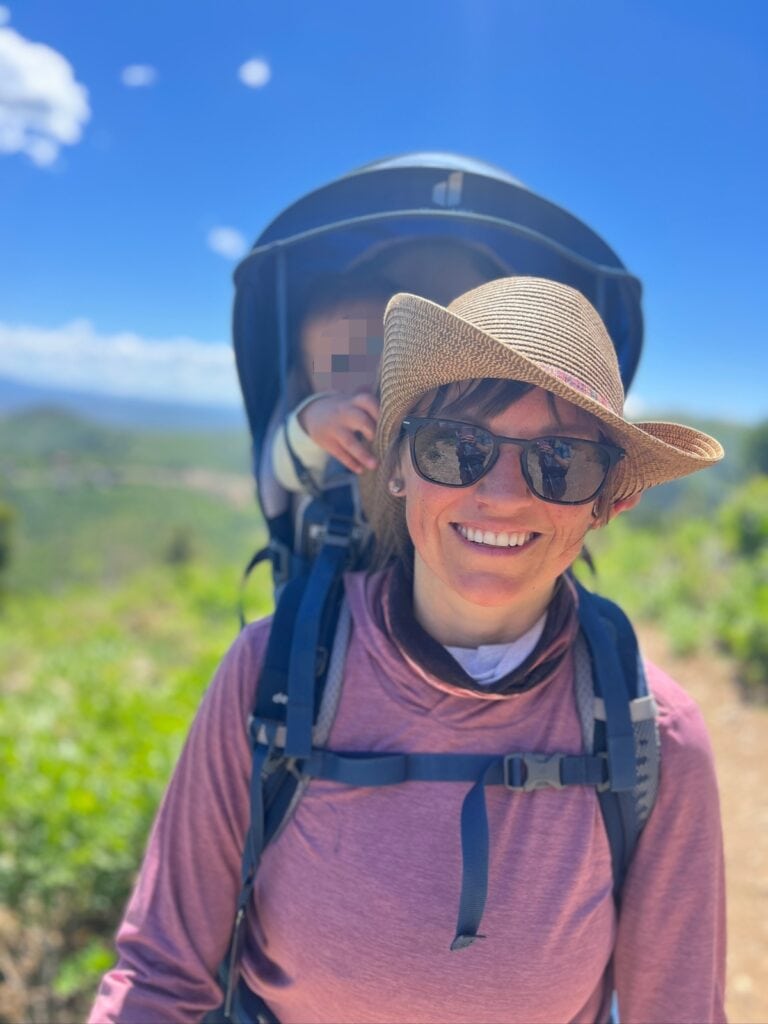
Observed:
{"x":340,"y":340}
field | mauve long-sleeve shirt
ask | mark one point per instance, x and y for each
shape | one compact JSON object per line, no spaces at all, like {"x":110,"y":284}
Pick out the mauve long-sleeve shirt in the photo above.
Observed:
{"x":355,"y":902}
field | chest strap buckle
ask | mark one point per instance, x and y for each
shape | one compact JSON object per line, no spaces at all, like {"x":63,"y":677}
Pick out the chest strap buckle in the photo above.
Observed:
{"x":532,"y":771}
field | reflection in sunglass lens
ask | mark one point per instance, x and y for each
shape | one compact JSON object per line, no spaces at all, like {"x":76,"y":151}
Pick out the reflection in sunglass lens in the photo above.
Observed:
{"x":453,"y":454}
{"x":562,"y":469}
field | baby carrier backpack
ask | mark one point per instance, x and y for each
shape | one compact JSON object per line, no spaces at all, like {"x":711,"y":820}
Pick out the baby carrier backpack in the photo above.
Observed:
{"x":416,"y":196}
{"x":441,"y":197}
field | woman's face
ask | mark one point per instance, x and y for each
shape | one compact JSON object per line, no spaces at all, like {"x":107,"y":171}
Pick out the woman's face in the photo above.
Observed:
{"x":470,"y":589}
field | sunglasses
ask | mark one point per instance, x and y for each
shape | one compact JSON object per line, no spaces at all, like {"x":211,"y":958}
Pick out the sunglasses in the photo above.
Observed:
{"x":563,"y":470}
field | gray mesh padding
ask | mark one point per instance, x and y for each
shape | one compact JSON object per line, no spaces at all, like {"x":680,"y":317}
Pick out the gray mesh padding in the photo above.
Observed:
{"x":332,"y":692}
{"x":584,"y":692}
{"x":644,"y":728}
{"x":647,"y":751}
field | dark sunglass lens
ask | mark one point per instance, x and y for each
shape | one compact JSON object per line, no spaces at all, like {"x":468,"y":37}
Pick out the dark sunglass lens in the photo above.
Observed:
{"x":563,"y":469}
{"x":452,"y":453}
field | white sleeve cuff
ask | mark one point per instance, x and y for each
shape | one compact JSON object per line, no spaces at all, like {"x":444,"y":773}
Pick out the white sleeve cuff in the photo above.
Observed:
{"x":311,"y":455}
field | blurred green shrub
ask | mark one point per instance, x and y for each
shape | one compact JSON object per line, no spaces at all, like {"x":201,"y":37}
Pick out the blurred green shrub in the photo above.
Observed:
{"x":756,"y":448}
{"x":743,"y":518}
{"x":742,"y":607}
{"x":703,"y":581}
{"x":99,"y":689}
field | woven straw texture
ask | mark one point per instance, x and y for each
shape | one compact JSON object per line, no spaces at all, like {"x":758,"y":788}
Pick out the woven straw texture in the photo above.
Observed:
{"x":534,"y":330}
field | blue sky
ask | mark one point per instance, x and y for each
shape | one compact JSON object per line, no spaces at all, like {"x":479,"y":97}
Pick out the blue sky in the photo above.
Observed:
{"x":647,"y":120}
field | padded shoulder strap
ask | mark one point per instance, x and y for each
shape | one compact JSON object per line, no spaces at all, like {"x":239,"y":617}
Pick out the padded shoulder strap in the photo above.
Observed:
{"x":605,"y":635}
{"x":287,"y":703}
{"x":618,"y":721}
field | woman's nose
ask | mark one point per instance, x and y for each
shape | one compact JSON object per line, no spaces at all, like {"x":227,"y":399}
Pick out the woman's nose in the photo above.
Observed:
{"x":505,"y":481}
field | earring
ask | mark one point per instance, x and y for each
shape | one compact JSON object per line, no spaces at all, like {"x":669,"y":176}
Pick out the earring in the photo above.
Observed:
{"x":396,"y":485}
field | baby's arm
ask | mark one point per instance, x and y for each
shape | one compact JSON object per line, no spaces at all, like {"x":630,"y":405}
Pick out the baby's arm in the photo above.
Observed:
{"x":341,"y":424}
{"x":310,"y":454}
{"x":323,"y":425}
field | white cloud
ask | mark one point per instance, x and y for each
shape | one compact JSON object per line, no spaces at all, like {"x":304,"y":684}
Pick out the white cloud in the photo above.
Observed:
{"x":228,"y":242}
{"x":137,"y":76}
{"x":255,"y":73}
{"x":42,"y":107}
{"x":5,"y":15}
{"x":76,"y":356}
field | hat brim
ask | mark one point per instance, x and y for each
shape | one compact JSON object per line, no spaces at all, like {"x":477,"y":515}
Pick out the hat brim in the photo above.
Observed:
{"x":427,"y":346}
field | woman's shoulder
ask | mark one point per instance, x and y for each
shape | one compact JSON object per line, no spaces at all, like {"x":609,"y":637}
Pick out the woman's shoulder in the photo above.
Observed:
{"x":682,"y":728}
{"x":239,"y":670}
{"x":251,"y":642}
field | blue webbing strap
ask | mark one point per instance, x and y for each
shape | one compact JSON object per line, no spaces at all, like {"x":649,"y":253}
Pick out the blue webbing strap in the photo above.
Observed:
{"x":474,"y":865}
{"x":520,"y":772}
{"x":614,"y":651}
{"x":300,"y":715}
{"x":602,"y":639}
{"x":319,"y":596}
{"x":272,"y":782}
{"x":262,"y":756}
{"x":269,"y":713}
{"x":274,"y":674}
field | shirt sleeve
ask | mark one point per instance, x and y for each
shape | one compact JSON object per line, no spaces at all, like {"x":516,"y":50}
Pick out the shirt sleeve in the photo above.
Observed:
{"x":179,"y":919}
{"x":669,"y":960}
{"x":313,"y":457}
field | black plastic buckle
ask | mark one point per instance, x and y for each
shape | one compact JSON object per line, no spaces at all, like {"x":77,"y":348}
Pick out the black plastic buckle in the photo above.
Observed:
{"x":526,"y":772}
{"x":275,"y":756}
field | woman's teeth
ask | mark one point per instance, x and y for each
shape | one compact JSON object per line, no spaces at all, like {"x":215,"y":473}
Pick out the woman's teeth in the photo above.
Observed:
{"x":497,"y":540}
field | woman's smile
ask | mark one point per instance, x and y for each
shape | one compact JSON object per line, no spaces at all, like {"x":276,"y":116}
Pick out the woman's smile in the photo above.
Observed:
{"x":509,"y":541}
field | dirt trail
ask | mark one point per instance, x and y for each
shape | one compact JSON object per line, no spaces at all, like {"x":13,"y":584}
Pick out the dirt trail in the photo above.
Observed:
{"x":739,"y":734}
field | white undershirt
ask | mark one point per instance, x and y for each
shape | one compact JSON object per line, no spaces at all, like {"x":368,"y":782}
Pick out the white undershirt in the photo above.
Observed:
{"x":490,"y":662}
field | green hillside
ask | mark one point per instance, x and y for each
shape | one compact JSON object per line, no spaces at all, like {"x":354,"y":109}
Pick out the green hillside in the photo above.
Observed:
{"x":94,"y":504}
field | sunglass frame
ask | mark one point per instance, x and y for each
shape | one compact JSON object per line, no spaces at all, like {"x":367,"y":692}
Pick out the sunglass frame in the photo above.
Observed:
{"x":412,"y":424}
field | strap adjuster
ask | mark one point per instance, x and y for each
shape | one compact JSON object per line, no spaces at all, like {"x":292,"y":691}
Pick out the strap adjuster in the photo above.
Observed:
{"x":526,"y":772}
{"x":339,"y":530}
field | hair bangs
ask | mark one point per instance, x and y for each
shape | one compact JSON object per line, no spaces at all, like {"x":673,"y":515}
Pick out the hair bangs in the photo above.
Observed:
{"x":487,"y":397}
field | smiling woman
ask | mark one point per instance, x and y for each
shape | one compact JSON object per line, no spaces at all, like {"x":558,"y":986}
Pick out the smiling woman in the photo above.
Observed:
{"x":483,"y":588}
{"x":472,"y":658}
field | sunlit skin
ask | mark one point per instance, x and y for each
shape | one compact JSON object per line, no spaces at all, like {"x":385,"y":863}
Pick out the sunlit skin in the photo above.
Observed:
{"x":467,"y":594}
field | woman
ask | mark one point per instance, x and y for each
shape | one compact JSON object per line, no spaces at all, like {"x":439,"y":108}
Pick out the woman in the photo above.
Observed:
{"x":463,"y":642}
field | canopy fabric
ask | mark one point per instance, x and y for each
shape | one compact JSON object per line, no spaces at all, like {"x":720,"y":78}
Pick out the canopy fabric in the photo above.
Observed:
{"x":415,"y":196}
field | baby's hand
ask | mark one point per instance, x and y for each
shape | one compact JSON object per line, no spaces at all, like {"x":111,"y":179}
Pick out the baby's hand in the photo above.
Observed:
{"x":340,"y":423}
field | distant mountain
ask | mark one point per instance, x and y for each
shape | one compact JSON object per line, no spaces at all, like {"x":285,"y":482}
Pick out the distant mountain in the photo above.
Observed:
{"x":118,"y":410}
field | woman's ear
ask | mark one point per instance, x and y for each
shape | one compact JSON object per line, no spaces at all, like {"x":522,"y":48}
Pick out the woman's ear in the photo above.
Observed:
{"x":396,"y":474}
{"x":624,"y":505}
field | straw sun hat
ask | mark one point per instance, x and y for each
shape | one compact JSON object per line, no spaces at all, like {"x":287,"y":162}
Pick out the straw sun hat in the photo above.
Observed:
{"x":533,"y":330}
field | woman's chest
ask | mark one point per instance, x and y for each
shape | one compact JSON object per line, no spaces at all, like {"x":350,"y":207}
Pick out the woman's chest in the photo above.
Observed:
{"x":358,"y":902}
